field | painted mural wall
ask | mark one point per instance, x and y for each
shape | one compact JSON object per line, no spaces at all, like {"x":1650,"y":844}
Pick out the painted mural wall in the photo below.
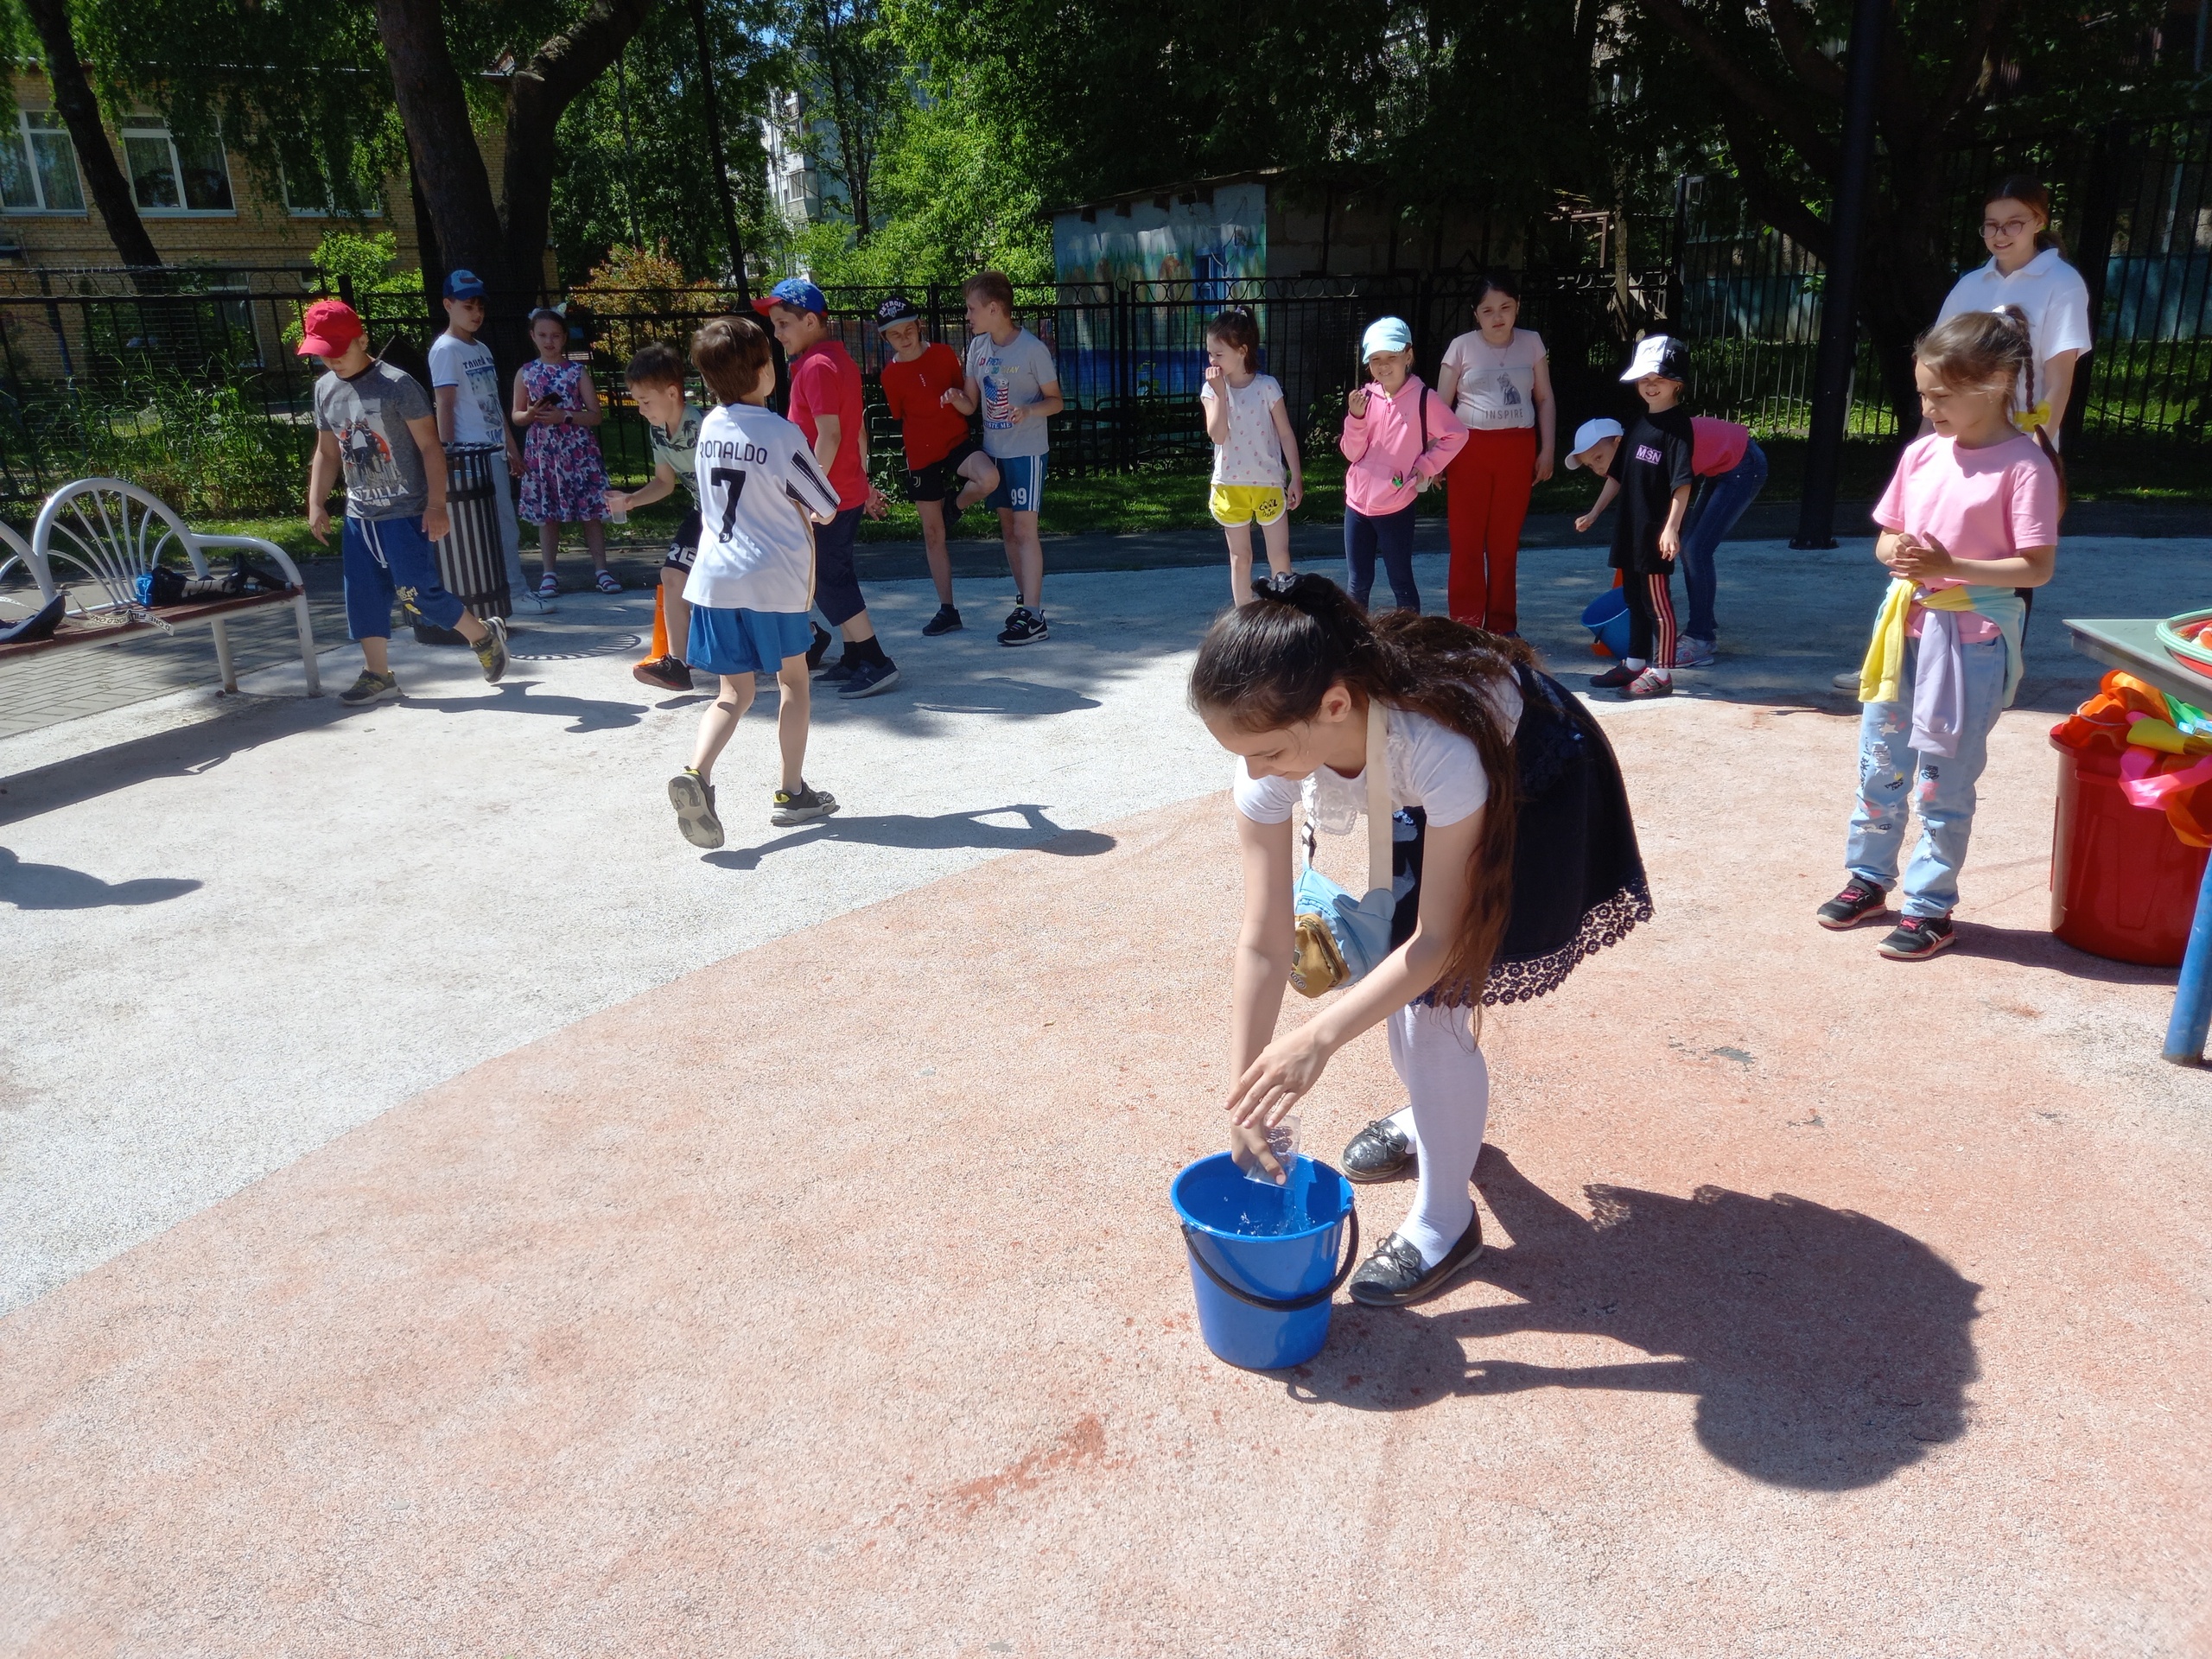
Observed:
{"x":1197,"y":241}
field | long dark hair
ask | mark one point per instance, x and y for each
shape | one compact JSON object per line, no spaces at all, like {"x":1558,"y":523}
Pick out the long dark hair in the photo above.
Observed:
{"x":1990,"y":351}
{"x":1266,"y":665}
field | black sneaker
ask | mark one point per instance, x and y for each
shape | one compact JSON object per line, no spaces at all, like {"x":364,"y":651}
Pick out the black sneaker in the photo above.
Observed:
{"x":1378,"y":1152}
{"x":819,"y":649}
{"x":694,"y":802}
{"x":807,"y":804}
{"x":868,"y":678}
{"x":1024,"y":628}
{"x":370,"y":688}
{"x":667,"y":673}
{"x":841,"y":671}
{"x":1614,"y":677}
{"x":1858,"y":901}
{"x":947,"y":620}
{"x":1393,"y":1277}
{"x":1914,"y":938}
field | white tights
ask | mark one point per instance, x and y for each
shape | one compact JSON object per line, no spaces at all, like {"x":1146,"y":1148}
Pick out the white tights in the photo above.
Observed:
{"x":1446,"y":1079}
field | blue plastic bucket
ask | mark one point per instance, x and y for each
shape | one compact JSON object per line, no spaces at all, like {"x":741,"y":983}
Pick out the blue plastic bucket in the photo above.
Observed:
{"x":1263,"y":1296}
{"x":1606,"y":616}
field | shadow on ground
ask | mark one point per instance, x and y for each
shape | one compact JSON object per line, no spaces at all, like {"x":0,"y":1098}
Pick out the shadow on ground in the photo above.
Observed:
{"x":56,"y":887}
{"x":1826,"y":1350}
{"x":906,"y":830}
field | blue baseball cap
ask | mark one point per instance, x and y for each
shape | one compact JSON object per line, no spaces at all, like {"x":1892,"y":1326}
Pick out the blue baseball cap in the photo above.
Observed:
{"x":464,"y":285}
{"x":1386,"y":334}
{"x":795,"y":292}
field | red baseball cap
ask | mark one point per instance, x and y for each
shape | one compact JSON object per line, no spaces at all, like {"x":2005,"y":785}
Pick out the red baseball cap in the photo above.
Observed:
{"x":331,"y":326}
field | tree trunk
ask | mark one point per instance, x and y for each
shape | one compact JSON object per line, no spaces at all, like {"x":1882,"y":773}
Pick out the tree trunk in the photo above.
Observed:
{"x":721,"y":165}
{"x":556,"y":74}
{"x":80,"y":111}
{"x":434,"y":109}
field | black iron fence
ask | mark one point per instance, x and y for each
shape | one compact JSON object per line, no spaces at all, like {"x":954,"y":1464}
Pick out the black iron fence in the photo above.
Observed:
{"x":186,"y":380}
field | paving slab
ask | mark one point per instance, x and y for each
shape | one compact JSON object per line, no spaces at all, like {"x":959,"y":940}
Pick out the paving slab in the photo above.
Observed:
{"x":826,"y":1301}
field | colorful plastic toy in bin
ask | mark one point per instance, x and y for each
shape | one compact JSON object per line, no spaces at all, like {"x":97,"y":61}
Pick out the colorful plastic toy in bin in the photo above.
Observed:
{"x":2134,"y":821}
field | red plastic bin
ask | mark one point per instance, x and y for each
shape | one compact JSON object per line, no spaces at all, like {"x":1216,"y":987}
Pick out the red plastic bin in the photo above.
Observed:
{"x":2122,"y":884}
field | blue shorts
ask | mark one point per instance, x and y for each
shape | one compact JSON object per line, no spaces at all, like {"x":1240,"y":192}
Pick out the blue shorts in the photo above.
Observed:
{"x":1021,"y":483}
{"x":745,"y":642}
{"x":387,"y":560}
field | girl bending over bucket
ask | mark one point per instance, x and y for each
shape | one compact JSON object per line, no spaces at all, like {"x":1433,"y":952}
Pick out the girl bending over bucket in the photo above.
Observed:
{"x":1504,"y":790}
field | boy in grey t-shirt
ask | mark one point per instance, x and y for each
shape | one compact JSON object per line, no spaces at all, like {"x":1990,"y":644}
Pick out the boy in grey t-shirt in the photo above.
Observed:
{"x":374,"y":423}
{"x":1011,"y":377}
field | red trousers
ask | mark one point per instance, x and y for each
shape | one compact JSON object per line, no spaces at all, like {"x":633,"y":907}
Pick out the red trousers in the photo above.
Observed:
{"x":1486,"y":497}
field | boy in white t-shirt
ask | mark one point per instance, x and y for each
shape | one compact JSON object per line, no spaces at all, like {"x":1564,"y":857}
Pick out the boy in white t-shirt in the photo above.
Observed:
{"x":464,"y":385}
{"x":761,"y":491}
{"x":1252,"y":443}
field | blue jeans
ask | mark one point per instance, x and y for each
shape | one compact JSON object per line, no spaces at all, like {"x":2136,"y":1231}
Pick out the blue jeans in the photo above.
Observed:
{"x":1720,"y":504}
{"x":1942,"y":792}
{"x":1391,"y":536}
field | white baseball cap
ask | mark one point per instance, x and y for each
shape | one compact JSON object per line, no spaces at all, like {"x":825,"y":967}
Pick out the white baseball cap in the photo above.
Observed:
{"x":1587,"y":436}
{"x":1658,"y":354}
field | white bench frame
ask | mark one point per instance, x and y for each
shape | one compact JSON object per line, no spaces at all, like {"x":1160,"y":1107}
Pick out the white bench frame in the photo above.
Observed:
{"x":115,"y":532}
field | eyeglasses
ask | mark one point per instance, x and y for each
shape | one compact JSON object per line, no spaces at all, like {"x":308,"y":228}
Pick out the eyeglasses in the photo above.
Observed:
{"x":2010,"y":227}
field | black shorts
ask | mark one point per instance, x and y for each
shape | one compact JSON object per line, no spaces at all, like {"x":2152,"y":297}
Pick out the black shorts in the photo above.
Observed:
{"x":941,"y":478}
{"x":685,"y":546}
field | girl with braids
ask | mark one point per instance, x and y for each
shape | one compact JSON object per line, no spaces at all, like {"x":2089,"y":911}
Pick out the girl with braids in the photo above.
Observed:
{"x":1970,"y":518}
{"x":1515,"y":858}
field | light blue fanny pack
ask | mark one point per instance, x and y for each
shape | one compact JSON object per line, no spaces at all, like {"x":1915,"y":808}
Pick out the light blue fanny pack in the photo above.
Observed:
{"x":1339,"y":938}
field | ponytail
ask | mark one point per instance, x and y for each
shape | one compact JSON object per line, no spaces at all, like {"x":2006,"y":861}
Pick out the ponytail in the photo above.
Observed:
{"x":1266,"y":666}
{"x":1990,"y":351}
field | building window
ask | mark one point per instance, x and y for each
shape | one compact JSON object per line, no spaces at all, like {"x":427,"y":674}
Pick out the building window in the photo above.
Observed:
{"x":168,"y":176}
{"x":38,"y":166}
{"x":310,"y":196}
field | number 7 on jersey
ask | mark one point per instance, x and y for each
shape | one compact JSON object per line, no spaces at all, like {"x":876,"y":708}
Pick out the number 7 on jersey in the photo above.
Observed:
{"x":734,"y":477}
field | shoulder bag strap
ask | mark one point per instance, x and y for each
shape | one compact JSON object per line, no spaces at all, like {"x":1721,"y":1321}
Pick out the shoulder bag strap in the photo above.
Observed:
{"x":1379,"y":836}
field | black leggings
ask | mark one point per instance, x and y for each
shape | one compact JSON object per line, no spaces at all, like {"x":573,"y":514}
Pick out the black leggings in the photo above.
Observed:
{"x":1650,"y":616}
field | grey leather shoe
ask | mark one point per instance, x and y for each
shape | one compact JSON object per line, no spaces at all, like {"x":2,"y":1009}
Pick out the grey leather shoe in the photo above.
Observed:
{"x":1393,"y":1277}
{"x":1378,"y":1152}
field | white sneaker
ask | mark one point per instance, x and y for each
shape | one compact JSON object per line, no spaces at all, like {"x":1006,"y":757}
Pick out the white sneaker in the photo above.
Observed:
{"x":528,"y":604}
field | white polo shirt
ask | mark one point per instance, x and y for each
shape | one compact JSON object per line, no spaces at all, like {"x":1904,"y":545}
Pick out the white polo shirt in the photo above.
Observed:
{"x":2048,"y":290}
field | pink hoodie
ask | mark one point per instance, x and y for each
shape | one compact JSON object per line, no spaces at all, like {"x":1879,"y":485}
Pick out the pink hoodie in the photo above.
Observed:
{"x":1384,"y":448}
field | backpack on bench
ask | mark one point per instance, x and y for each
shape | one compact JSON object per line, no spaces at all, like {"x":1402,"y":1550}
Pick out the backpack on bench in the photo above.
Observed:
{"x":164,"y":585}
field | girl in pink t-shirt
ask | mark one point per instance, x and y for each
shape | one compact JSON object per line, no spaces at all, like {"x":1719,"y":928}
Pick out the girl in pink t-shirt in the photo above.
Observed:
{"x":1970,"y":518}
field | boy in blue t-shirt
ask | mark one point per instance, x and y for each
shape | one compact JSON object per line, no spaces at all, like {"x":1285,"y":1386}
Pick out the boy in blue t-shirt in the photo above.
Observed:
{"x":761,"y":493}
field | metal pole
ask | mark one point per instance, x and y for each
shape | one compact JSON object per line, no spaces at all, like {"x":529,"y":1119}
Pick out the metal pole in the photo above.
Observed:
{"x":1840,"y":302}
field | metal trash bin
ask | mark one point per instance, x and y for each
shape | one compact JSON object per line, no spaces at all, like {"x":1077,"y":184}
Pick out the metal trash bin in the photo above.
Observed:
{"x":472,"y":562}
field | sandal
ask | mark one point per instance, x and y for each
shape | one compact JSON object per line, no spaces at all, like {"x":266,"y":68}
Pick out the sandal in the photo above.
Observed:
{"x":548,"y":587}
{"x":607,"y":583}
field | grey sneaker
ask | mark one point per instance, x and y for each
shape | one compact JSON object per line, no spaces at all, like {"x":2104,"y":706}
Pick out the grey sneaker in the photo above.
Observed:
{"x":804,"y":805}
{"x":371,"y":688}
{"x":1847,"y":681}
{"x":694,"y":801}
{"x":492,"y":650}
{"x":1695,"y":653}
{"x":527,"y":603}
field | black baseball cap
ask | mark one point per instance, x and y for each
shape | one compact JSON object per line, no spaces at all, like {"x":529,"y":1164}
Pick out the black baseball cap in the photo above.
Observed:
{"x":897,"y":309}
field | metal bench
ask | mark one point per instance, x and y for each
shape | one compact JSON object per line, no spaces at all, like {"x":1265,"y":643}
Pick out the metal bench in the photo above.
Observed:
{"x":102,"y":534}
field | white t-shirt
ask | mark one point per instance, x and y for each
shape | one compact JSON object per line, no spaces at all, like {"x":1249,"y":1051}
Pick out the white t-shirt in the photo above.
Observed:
{"x":466,"y":365}
{"x":1254,"y":452}
{"x":1010,"y":377}
{"x":1432,"y":767}
{"x":1497,"y":384}
{"x":2051,"y":293}
{"x":758,"y":486}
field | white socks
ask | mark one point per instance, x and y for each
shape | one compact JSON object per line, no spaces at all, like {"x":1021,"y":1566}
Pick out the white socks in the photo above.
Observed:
{"x":1445,"y":1076}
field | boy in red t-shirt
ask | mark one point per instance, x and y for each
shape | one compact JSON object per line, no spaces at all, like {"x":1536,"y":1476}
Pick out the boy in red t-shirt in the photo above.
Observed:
{"x":825,"y":404}
{"x":947,"y":471}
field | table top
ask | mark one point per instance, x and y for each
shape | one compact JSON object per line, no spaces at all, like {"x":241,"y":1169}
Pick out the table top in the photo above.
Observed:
{"x":2131,"y":643}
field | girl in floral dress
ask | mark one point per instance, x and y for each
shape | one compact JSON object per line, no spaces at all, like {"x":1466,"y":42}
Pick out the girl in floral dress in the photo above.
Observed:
{"x":564,"y":480}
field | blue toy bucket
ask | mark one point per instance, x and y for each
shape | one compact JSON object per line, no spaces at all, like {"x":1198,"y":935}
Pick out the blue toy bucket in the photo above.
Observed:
{"x":1263,"y":1297}
{"x":1606,"y":616}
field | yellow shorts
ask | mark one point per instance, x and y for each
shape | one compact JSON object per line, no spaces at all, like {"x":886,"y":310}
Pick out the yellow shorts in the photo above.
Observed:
{"x":1243,"y":504}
